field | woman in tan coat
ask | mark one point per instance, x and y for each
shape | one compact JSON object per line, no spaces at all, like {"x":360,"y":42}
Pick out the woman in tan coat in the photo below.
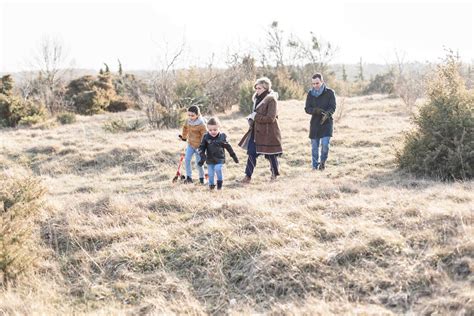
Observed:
{"x":263,"y":136}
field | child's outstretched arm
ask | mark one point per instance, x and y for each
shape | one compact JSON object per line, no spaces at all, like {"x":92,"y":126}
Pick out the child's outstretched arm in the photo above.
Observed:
{"x":231,"y":151}
{"x":184,"y":133}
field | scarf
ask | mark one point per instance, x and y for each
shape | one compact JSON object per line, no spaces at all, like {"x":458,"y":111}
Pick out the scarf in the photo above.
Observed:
{"x":200,"y":120}
{"x":259,"y":98}
{"x":317,"y":92}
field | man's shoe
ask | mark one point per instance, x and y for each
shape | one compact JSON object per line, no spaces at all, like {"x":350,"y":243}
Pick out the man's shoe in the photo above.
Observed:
{"x":201,"y":180}
{"x":219,"y":184}
{"x":188,"y":180}
{"x":246,"y":180}
{"x":273,"y":178}
{"x":212,"y":187}
{"x":322,"y":165}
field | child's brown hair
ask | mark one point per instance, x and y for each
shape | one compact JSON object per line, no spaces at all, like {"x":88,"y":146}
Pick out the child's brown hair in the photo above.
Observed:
{"x":194,"y":109}
{"x":214,"y":121}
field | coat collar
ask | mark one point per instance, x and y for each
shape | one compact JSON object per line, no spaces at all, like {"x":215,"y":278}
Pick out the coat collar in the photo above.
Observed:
{"x":271,"y":95}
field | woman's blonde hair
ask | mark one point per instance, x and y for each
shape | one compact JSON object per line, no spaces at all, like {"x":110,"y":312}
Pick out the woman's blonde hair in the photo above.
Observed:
{"x":264,"y":82}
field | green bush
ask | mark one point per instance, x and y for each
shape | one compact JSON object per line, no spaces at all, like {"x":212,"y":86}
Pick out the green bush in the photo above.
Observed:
{"x":14,"y":111}
{"x":6,"y":85}
{"x":66,"y":118}
{"x":245,"y":97}
{"x":119,"y":105}
{"x":120,"y":126}
{"x":190,"y":90}
{"x":31,"y":120}
{"x":90,"y":95}
{"x":20,"y":204}
{"x":286,"y":87}
{"x":381,"y":83}
{"x":171,"y":117}
{"x":442,"y":145}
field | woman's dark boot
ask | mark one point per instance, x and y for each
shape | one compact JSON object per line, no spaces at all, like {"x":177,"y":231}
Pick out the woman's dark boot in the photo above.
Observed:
{"x":245,"y":180}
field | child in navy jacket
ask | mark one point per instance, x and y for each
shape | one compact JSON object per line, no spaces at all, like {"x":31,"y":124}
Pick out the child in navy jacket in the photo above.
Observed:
{"x":212,"y":152}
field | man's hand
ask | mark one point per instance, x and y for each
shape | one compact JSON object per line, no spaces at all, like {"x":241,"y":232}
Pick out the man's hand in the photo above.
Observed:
{"x":317,"y":111}
{"x":181,"y":137}
{"x":325,"y":117}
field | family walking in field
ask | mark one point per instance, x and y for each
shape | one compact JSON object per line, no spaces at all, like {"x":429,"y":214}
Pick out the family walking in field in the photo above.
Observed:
{"x":208,"y":144}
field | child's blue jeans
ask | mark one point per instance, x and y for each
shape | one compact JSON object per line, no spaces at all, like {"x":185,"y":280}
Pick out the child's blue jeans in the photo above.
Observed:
{"x":190,"y":151}
{"x":217,"y":169}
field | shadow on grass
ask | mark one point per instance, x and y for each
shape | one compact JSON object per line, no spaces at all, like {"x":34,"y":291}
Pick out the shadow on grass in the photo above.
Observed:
{"x":397,"y":178}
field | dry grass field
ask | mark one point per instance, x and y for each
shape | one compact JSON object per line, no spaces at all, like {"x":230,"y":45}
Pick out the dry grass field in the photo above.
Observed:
{"x":118,"y":237}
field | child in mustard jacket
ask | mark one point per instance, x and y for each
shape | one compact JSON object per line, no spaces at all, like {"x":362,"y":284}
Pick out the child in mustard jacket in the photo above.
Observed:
{"x":193,"y":130}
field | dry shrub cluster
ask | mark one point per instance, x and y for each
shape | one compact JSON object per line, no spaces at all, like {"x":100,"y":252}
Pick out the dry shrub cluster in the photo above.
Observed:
{"x":20,"y":205}
{"x":442,"y":144}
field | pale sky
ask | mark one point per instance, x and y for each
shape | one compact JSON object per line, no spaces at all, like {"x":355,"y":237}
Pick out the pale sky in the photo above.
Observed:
{"x":140,"y":32}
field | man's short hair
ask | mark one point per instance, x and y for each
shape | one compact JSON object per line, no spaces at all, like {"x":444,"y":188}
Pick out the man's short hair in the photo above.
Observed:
{"x":318,"y":75}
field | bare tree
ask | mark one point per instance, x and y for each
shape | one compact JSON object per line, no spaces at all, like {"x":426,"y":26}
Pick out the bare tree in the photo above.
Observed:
{"x":409,"y":81}
{"x":340,"y":110}
{"x":158,"y":102}
{"x":316,"y":53}
{"x":275,"y":44}
{"x":223,"y":87}
{"x":50,"y":61}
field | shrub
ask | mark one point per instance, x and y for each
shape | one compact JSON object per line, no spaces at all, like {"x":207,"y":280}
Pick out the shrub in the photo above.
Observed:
{"x":119,"y":125}
{"x":6,"y":85}
{"x":286,"y":87}
{"x":91,"y":95}
{"x":169,"y":117}
{"x":245,"y":97}
{"x":119,"y":105}
{"x":31,"y":120}
{"x":66,"y":118}
{"x":442,"y":146}
{"x":409,"y":87}
{"x":382,"y":83}
{"x":20,"y":203}
{"x":14,"y":111}
{"x":190,"y":90}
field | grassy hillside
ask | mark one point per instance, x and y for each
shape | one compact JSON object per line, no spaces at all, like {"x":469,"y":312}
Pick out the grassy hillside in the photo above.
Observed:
{"x":117,"y":237}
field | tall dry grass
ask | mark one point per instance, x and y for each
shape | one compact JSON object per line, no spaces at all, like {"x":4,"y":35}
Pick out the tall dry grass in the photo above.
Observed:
{"x":358,"y":238}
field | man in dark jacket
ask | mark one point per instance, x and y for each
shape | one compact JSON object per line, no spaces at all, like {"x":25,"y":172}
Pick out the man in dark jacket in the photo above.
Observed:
{"x":321,"y":105}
